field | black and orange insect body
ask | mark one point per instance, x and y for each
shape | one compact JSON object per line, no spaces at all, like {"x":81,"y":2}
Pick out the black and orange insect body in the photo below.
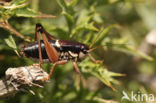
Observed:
{"x":56,"y":51}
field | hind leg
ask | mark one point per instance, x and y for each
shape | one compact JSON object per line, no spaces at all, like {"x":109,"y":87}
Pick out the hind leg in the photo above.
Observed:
{"x":52,"y":68}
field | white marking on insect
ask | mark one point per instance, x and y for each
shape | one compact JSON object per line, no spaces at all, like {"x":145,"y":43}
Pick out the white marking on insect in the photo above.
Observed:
{"x":73,"y":54}
{"x":82,"y":55}
{"x":57,"y":43}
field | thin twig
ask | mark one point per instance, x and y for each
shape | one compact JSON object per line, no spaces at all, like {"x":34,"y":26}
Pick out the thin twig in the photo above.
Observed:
{"x":6,"y":25}
{"x":45,"y":16}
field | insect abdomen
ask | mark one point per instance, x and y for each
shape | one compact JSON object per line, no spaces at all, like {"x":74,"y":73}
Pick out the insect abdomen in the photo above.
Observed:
{"x":31,"y":51}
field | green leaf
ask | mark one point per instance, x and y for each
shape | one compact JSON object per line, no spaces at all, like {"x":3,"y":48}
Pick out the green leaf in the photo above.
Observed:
{"x":68,"y":8}
{"x":73,"y":3}
{"x":97,"y":18}
{"x":26,"y":12}
{"x":11,"y":42}
{"x":84,"y":23}
{"x":122,"y":44}
{"x":99,"y":71}
{"x":68,"y":12}
{"x":136,"y":52}
{"x":101,"y":35}
{"x":18,"y":2}
{"x":88,"y":27}
{"x":104,"y":33}
{"x":16,"y":5}
{"x":84,"y":17}
{"x":69,"y":19}
{"x":63,"y":5}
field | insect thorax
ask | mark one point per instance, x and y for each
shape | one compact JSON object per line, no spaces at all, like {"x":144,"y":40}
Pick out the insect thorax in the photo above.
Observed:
{"x":69,"y":55}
